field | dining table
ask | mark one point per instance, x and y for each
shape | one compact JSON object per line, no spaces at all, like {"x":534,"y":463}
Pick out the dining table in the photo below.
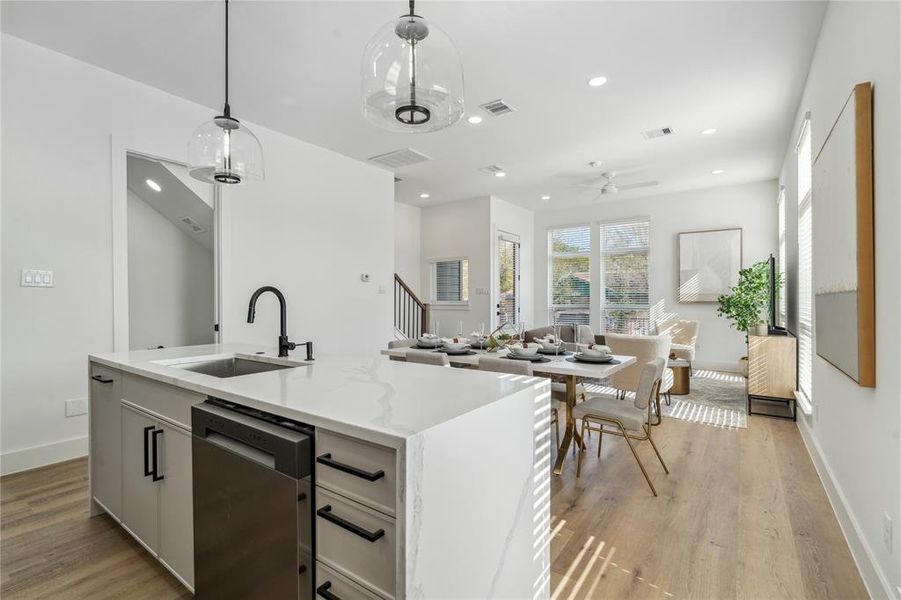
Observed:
{"x":558,"y":365}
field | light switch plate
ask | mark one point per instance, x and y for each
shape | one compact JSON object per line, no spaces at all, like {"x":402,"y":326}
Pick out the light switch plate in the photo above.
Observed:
{"x":36,"y":278}
{"x":76,"y":406}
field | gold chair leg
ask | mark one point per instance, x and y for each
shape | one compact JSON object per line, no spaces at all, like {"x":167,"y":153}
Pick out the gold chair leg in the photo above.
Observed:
{"x":600,"y":439}
{"x":557,"y":426}
{"x":581,"y":451}
{"x":656,"y":451}
{"x":638,"y":460}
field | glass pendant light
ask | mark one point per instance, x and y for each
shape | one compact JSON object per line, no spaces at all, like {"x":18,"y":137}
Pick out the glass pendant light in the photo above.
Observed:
{"x":412,"y":80}
{"x":224,"y":150}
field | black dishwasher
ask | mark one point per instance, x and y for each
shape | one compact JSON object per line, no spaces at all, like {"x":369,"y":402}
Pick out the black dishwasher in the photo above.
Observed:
{"x":253,"y":504}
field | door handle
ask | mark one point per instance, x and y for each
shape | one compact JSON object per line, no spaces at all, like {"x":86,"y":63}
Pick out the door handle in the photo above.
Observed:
{"x":100,"y":379}
{"x":327,"y":460}
{"x":370,"y":536}
{"x":147,"y":471}
{"x":323,"y":590}
{"x":155,"y":468}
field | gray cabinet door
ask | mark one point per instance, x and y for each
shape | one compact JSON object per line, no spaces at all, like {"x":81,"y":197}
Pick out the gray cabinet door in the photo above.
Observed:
{"x":106,"y":438}
{"x":176,"y":506}
{"x":140,"y":494}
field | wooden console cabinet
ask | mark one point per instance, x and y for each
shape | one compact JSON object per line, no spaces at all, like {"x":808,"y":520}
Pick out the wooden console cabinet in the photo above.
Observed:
{"x":773,"y":370}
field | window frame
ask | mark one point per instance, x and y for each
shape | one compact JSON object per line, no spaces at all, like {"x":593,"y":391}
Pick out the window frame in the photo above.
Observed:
{"x":551,"y":254}
{"x":463,"y":303}
{"x":806,"y":317}
{"x":782,"y":304}
{"x":602,"y":268}
{"x":502,"y":237}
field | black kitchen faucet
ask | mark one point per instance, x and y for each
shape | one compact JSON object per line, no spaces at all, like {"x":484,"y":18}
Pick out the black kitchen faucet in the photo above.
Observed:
{"x":283,"y":344}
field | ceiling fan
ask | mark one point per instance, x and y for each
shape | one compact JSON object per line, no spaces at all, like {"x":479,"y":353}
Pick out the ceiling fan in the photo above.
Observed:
{"x":606,"y":184}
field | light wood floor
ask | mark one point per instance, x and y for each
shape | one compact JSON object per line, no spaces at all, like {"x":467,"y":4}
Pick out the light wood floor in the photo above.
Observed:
{"x":741,"y":515}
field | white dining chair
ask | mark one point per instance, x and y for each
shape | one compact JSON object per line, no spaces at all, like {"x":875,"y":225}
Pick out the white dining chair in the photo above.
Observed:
{"x":630,"y":420}
{"x":427,"y":357}
{"x":400,"y":344}
{"x":518,"y":367}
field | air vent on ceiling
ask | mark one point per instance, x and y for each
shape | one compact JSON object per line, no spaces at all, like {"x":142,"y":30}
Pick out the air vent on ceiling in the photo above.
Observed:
{"x":492,"y":169}
{"x":498,"y":107}
{"x":400,"y":158}
{"x":656,"y":133}
{"x":397,"y":180}
{"x":192,"y":224}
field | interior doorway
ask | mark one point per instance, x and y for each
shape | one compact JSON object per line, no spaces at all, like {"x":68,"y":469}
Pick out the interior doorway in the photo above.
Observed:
{"x":171,"y":256}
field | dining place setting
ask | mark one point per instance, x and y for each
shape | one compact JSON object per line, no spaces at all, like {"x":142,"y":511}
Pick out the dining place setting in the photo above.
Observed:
{"x":548,"y":354}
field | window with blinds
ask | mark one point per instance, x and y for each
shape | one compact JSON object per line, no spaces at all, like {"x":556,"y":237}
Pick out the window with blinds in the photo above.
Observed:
{"x":450,"y":281}
{"x":508,"y":304}
{"x":624,"y":271}
{"x":570,"y":275}
{"x":805,"y":265}
{"x":782,"y":317}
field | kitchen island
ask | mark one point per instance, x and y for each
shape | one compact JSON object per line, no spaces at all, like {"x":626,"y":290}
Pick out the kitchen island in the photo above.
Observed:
{"x":464,"y":499}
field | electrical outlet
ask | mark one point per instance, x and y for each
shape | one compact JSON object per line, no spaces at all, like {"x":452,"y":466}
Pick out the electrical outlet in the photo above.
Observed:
{"x":76,"y":406}
{"x":887,"y":531}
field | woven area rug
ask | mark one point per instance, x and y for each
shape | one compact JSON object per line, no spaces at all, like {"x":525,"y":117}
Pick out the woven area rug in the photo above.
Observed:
{"x":716,"y":399}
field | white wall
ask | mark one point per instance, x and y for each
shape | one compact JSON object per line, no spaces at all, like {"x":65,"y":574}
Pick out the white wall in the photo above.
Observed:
{"x":469,"y":229}
{"x":319,"y":217}
{"x":750,"y":206}
{"x":170,"y":282}
{"x":459,"y":230}
{"x":853,"y":432}
{"x":407,"y":254}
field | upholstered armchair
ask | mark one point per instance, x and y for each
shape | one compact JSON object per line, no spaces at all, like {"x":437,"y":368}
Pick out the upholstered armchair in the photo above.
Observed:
{"x":684,"y":335}
{"x":645,"y":348}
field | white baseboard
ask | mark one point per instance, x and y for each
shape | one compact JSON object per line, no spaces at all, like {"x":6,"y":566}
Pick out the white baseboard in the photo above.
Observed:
{"x":711,"y":365}
{"x":874,"y":578}
{"x":39,"y":456}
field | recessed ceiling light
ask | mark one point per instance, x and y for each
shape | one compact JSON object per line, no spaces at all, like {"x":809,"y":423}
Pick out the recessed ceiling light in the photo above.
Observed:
{"x":153,"y":185}
{"x":595,"y":164}
{"x":709,"y":131}
{"x":597,"y":81}
{"x":474,"y":120}
{"x":500,"y":174}
{"x":424,"y":195}
{"x":718,"y":171}
{"x":545,"y":197}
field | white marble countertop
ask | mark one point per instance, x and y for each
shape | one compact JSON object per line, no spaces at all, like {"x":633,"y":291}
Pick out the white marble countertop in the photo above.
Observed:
{"x":369,"y":397}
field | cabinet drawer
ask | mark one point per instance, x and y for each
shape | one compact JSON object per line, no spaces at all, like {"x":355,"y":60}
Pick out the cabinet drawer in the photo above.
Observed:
{"x":331,"y":582}
{"x":162,"y":399}
{"x":356,"y":541}
{"x":356,"y":469}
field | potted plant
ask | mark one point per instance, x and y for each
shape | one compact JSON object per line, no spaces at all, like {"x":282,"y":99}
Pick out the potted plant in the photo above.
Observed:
{"x":748,"y":300}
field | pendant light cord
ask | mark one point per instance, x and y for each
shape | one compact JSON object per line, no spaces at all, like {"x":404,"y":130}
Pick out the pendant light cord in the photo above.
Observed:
{"x":227,"y":107}
{"x":412,"y":10}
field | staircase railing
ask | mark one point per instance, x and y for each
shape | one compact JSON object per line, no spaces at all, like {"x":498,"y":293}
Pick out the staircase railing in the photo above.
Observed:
{"x":411,"y":315}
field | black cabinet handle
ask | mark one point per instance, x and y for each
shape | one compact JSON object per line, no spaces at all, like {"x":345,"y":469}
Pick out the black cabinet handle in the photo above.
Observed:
{"x":370,"y":536}
{"x":323,"y":590}
{"x":147,"y":471}
{"x":155,"y":469}
{"x":100,"y":379}
{"x":326,"y":459}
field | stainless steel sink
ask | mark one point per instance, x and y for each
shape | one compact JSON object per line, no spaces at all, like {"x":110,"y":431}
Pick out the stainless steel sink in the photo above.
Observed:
{"x":230,"y":367}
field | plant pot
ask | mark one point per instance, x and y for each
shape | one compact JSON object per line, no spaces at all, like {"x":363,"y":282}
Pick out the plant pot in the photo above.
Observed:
{"x":762,"y":329}
{"x":743,"y":366}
